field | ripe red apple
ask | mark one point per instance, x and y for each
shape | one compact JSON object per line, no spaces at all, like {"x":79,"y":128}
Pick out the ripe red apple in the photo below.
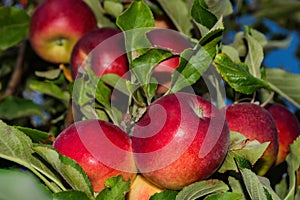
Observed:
{"x":56,"y":25}
{"x":287,"y":126}
{"x":255,"y":123}
{"x":142,"y":189}
{"x":175,"y":42}
{"x":103,"y":50}
{"x":182,"y":138}
{"x":100,"y":148}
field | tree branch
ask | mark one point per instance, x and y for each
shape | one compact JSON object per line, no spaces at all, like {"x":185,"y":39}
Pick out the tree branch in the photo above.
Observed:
{"x":18,"y":70}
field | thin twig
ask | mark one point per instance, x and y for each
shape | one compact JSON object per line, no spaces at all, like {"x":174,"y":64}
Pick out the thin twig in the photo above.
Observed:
{"x":268,"y":100}
{"x":17,"y":73}
{"x":69,"y":119}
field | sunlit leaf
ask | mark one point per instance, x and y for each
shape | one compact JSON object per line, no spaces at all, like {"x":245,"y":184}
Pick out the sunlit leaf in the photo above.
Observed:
{"x":224,"y":196}
{"x":70,"y":195}
{"x":238,"y":75}
{"x":17,"y":147}
{"x":116,"y":188}
{"x":293,"y":162}
{"x":36,"y":135}
{"x":179,"y":14}
{"x":284,"y":83}
{"x":165,"y":195}
{"x":135,"y":21}
{"x":51,"y":89}
{"x":240,"y":146}
{"x":72,"y":173}
{"x":201,"y":189}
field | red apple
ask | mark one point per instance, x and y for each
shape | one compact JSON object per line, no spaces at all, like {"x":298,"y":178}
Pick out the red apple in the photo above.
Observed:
{"x":56,"y":25}
{"x":287,"y":126}
{"x":255,"y":123}
{"x":182,"y":138}
{"x":100,"y":148}
{"x":175,"y":42}
{"x":142,"y":189}
{"x":103,"y":50}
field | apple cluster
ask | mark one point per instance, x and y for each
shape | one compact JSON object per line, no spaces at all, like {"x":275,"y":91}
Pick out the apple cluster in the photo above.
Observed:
{"x":180,"y":139}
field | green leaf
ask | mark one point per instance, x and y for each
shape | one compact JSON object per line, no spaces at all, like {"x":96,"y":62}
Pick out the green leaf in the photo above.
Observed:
{"x":178,"y":12}
{"x":50,"y":74}
{"x":14,"y":26}
{"x":268,"y":189}
{"x":135,"y":21}
{"x":137,"y":15}
{"x":281,"y":188}
{"x":254,"y":188}
{"x":99,"y":12}
{"x":192,"y":66}
{"x":17,"y":147}
{"x":51,"y":89}
{"x":19,"y":185}
{"x":293,"y":162}
{"x":201,"y":189}
{"x":13,"y":107}
{"x":231,"y":52}
{"x":164,"y":195}
{"x":116,"y":82}
{"x":116,"y":188}
{"x":93,"y":97}
{"x":238,"y":75}
{"x":36,"y":136}
{"x":240,"y":146}
{"x":143,"y":66}
{"x":70,"y":195}
{"x":202,"y":14}
{"x":224,"y":196}
{"x":235,"y":185}
{"x":214,"y":33}
{"x":72,"y":173}
{"x":285,"y":84}
{"x":219,"y":7}
{"x":254,"y":56}
{"x":113,"y":8}
{"x":103,"y":94}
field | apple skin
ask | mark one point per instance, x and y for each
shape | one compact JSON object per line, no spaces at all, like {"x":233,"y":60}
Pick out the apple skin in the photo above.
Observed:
{"x":176,"y":43}
{"x":288,"y":128}
{"x":142,"y":189}
{"x":100,"y":148}
{"x":255,"y":123}
{"x":56,"y":26}
{"x":105,"y":47}
{"x":181,"y":139}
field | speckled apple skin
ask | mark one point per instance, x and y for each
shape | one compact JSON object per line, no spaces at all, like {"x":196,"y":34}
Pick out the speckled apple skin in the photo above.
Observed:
{"x":255,"y":123}
{"x":106,"y":57}
{"x":59,"y":19}
{"x":174,"y":147}
{"x":287,"y":126}
{"x":90,"y":142}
